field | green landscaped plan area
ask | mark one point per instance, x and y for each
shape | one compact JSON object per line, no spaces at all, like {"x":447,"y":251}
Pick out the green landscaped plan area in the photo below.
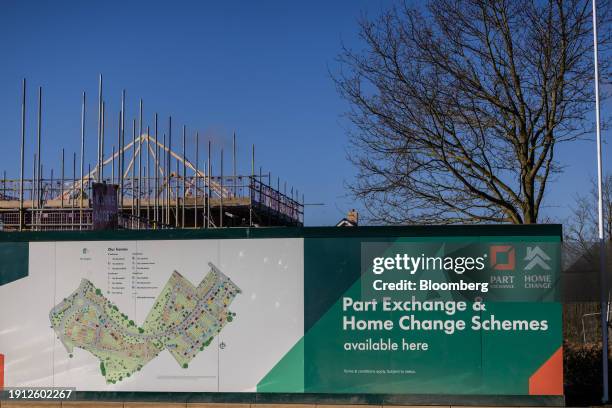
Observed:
{"x":184,"y":319}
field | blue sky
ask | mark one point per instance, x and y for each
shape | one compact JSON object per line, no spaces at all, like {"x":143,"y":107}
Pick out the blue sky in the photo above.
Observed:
{"x":258,"y":68}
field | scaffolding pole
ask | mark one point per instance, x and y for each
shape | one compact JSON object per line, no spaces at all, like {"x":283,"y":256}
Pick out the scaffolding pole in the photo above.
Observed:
{"x":156,"y":212}
{"x":184,"y":176}
{"x":99,"y":160}
{"x":197,"y":175}
{"x":82,"y":162}
{"x":22,"y":157}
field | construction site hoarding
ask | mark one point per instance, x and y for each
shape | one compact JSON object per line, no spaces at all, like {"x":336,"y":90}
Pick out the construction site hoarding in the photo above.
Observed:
{"x":395,"y":311}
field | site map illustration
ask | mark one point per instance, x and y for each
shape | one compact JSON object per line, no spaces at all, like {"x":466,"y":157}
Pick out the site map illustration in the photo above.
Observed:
{"x":184,"y":320}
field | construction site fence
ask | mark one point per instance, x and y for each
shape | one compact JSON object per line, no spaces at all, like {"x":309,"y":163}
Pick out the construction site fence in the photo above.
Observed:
{"x":48,"y":219}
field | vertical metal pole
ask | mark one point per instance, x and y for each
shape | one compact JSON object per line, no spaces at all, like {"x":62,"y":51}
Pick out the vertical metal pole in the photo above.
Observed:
{"x":132,"y":169}
{"x":270,"y":196}
{"x":89,"y":184}
{"x":234,"y":164}
{"x":148,"y":176}
{"x":39,"y":192}
{"x":102,"y":142}
{"x":176,"y":201}
{"x":82,"y":163}
{"x":99,"y":127}
{"x":121,"y":164}
{"x":144,"y":196}
{"x":168,"y":161}
{"x":122,"y":153}
{"x":164,"y":161}
{"x":184,"y":176}
{"x":157,"y":172}
{"x":602,"y":259}
{"x":113,"y":166}
{"x":34,"y":184}
{"x":156,"y":198}
{"x":208,"y":198}
{"x":139,"y":162}
{"x":168,"y":169}
{"x":251,"y":186}
{"x":72,"y":199}
{"x":221,"y":195}
{"x":208,"y":195}
{"x":197,"y":176}
{"x":62,"y":180}
{"x":38,"y":135}
{"x":39,"y":185}
{"x":42,"y":174}
{"x":139,"y":184}
{"x":296,"y":204}
{"x":42,"y":188}
{"x":22,"y":156}
{"x":34,"y":187}
{"x":118,"y":152}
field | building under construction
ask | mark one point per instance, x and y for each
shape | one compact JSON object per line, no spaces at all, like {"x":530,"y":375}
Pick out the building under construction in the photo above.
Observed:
{"x":154,"y":185}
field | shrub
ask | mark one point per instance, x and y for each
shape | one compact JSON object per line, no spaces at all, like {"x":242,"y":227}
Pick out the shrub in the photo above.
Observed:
{"x":582,"y":371}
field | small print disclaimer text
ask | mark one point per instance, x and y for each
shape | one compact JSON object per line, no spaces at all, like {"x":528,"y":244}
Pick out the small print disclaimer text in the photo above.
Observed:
{"x":378,"y":371}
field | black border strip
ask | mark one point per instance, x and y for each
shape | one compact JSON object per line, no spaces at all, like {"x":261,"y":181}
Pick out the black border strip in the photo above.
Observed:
{"x":352,"y":399}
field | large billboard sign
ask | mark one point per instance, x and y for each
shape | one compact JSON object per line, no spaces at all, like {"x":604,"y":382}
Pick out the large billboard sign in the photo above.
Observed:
{"x":456,"y":311}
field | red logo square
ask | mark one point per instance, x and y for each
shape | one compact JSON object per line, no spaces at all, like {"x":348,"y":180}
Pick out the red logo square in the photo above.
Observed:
{"x":508,"y":251}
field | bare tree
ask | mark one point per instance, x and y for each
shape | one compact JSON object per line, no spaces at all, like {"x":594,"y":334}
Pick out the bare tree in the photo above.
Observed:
{"x":458,"y":107}
{"x":582,"y":226}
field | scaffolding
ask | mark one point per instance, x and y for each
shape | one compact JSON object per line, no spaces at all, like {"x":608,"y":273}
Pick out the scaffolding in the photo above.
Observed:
{"x":158,"y":186}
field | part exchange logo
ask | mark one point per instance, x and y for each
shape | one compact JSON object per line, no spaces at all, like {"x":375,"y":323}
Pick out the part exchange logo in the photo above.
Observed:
{"x":503,"y":258}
